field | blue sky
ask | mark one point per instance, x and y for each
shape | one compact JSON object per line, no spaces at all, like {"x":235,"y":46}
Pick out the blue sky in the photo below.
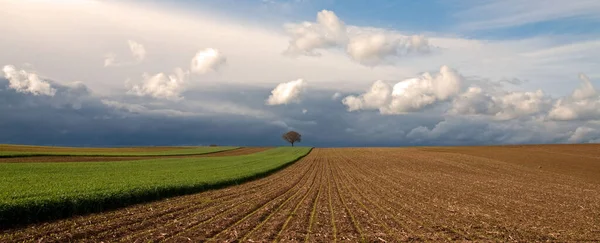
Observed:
{"x":411,"y":16}
{"x":343,"y":73}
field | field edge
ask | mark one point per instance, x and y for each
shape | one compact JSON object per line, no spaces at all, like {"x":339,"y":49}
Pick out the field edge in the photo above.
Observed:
{"x":14,"y":216}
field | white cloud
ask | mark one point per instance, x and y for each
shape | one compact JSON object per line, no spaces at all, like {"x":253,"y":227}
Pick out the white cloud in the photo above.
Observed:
{"x":140,"y":109}
{"x":375,"y":46}
{"x":583,"y":103}
{"x":27,"y":82}
{"x":110,"y":60}
{"x":584,"y":134}
{"x":368,"y":46}
{"x":336,"y":96}
{"x":586,"y":90}
{"x":207,"y":60}
{"x":304,"y":111}
{"x":536,"y":59}
{"x":409,"y":95}
{"x":162,"y":86}
{"x":171,"y":86}
{"x":307,"y":37}
{"x":501,"y":105}
{"x":286,"y":93}
{"x":378,"y":97}
{"x":138,"y":51}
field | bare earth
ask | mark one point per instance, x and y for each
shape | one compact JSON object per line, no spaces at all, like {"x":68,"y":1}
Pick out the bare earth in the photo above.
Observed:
{"x":508,"y":193}
{"x":42,"y":159}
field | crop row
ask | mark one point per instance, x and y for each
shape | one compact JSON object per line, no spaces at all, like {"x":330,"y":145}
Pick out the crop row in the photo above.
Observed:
{"x":31,"y":192}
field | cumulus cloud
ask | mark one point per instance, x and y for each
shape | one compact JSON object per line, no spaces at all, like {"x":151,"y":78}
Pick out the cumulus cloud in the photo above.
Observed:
{"x":409,"y":95}
{"x":27,"y":82}
{"x":585,"y":134}
{"x":162,"y":86}
{"x":501,"y":105}
{"x":207,"y":60}
{"x":375,"y":46}
{"x":368,"y":46}
{"x":138,"y":51}
{"x":475,"y":98}
{"x":307,"y":37}
{"x":583,"y":103}
{"x":286,"y":93}
{"x":170,"y":87}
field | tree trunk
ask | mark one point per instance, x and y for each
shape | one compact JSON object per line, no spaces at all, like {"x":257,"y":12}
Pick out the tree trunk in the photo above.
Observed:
{"x":292,"y":144}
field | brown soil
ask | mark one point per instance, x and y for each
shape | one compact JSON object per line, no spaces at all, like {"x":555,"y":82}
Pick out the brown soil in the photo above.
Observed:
{"x":374,"y":195}
{"x":42,"y":149}
{"x":42,"y":159}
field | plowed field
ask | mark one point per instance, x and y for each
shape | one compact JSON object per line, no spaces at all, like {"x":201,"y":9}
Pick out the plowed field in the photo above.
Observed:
{"x":528,"y":193}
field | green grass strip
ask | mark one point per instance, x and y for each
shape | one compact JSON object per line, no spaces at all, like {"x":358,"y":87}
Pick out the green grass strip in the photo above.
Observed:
{"x":33,"y":192}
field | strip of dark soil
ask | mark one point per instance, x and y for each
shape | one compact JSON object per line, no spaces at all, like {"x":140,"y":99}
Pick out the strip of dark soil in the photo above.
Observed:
{"x":51,"y":159}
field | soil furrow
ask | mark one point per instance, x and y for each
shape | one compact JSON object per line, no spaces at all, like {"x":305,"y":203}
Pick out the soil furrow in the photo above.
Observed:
{"x":269,"y":225}
{"x":355,"y":224}
{"x":243,"y":217}
{"x":295,"y":226}
{"x":134,"y":217}
{"x":488,"y":194}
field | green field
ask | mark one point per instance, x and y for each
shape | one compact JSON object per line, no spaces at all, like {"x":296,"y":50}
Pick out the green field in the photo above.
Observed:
{"x":40,"y":191}
{"x":26,"y":151}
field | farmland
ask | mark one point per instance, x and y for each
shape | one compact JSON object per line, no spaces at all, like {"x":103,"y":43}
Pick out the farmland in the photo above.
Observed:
{"x":504,"y":193}
{"x":28,"y":151}
{"x":37,"y":191}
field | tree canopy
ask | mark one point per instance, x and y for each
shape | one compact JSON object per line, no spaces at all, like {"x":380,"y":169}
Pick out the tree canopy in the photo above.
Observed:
{"x":292,"y":137}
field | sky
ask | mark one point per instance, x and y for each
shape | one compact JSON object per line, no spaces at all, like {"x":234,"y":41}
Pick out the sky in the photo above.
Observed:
{"x":341,"y":73}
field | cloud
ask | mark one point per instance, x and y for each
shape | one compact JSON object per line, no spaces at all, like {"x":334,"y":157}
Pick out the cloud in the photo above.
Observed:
{"x":286,"y":93}
{"x":476,"y":97}
{"x":455,"y":130}
{"x":368,"y":46}
{"x":307,"y":37}
{"x":138,"y":51}
{"x":501,"y":105}
{"x":375,"y":46}
{"x":512,"y":13}
{"x":27,"y":82}
{"x":336,"y":96}
{"x":222,"y":116}
{"x":162,"y":86}
{"x":409,"y":95}
{"x":140,"y":109}
{"x":585,"y":134}
{"x":207,"y":60}
{"x":304,"y":111}
{"x":583,"y":103}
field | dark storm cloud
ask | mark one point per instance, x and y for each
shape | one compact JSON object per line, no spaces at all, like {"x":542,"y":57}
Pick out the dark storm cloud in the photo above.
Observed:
{"x":75,"y":116}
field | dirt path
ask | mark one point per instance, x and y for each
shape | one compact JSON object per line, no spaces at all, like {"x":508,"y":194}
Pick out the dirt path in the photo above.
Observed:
{"x":43,"y":159}
{"x":370,"y":194}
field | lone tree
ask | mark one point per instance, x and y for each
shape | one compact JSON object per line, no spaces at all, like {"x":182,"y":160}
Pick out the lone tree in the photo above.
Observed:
{"x":292,"y":137}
